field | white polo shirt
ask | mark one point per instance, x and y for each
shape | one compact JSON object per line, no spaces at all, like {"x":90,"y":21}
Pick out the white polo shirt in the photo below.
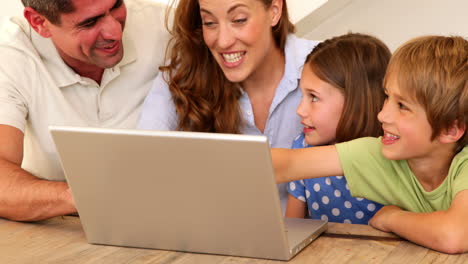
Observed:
{"x":38,"y":89}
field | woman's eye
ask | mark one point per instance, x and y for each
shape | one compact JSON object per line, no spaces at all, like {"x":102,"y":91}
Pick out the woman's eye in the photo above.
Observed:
{"x":208,"y":23}
{"x":240,"y":21}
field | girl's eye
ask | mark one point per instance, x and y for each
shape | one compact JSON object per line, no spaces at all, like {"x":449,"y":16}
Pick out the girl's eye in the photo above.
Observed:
{"x":314,"y":98}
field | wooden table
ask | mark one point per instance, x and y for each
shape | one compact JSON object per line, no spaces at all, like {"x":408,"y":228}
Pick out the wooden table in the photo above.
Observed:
{"x":62,"y":240}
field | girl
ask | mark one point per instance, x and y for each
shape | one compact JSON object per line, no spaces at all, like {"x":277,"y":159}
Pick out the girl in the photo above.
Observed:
{"x":342,"y":93}
{"x":234,"y":68}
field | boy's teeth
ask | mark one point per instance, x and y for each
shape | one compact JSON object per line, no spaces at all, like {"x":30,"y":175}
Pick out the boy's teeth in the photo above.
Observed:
{"x":232,"y":57}
{"x":391,"y":136}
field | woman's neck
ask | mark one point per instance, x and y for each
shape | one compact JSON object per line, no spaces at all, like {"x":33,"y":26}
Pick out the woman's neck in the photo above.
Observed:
{"x":261,"y":86}
{"x":268,"y":75}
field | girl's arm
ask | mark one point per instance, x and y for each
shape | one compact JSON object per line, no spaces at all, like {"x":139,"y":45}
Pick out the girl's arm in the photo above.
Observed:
{"x":295,"y":208}
{"x":445,"y":231}
{"x":305,"y":163}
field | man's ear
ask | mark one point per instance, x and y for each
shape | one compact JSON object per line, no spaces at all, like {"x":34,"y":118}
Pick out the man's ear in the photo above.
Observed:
{"x":38,"y":22}
{"x":276,"y":9}
{"x":453,"y":133}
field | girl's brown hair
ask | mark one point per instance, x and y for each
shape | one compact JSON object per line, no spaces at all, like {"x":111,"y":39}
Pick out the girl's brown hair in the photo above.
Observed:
{"x":355,"y":64}
{"x":205,"y":100}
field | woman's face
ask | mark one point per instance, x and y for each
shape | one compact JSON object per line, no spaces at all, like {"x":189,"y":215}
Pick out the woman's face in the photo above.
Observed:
{"x":239,"y":34}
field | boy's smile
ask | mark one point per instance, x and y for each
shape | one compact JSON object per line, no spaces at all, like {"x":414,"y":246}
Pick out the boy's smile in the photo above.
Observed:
{"x":388,"y":138}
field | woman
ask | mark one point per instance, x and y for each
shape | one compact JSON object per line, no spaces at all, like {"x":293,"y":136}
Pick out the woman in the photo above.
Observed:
{"x":234,"y":68}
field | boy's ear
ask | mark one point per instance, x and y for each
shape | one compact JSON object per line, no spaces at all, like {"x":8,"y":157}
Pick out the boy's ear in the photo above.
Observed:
{"x":453,"y":133}
{"x":37,"y":21}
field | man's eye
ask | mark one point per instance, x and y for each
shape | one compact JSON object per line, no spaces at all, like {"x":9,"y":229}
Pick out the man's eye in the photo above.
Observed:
{"x":89,"y":24}
{"x":118,"y":4}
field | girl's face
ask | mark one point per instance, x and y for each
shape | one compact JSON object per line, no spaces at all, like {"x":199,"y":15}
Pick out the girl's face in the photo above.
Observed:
{"x":239,"y":34}
{"x":320,"y":109}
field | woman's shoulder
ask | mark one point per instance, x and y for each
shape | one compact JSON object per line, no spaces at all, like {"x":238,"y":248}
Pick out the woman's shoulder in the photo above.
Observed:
{"x":301,"y":46}
{"x":296,"y":51}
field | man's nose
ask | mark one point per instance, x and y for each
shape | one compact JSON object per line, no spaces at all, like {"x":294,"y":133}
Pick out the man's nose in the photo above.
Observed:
{"x":111,"y":28}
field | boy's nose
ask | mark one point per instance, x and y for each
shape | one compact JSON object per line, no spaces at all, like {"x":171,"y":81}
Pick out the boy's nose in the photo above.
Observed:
{"x":384,"y":114}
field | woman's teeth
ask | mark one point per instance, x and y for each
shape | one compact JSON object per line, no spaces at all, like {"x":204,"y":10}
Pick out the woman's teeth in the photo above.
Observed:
{"x":233,"y":57}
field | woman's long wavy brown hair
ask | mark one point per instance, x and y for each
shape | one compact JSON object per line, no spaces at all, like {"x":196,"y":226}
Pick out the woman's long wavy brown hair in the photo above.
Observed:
{"x":205,"y":100}
{"x":355,"y":64}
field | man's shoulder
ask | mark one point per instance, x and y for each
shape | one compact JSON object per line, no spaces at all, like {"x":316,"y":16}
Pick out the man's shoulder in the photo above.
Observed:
{"x":146,"y":17}
{"x":13,"y":30}
{"x":145,"y":6}
{"x":15,"y":41}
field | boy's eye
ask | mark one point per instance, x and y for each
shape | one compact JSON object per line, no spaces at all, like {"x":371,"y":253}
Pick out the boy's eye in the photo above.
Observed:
{"x":402,"y":106}
{"x":314,"y":98}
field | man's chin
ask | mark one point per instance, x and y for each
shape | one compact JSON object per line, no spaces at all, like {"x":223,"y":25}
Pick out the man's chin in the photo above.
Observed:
{"x":109,"y":62}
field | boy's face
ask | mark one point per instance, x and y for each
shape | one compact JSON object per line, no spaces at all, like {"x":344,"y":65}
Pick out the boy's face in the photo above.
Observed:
{"x":407,"y":132}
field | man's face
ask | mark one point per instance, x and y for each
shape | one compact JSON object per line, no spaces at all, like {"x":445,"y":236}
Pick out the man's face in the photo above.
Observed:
{"x":91,"y":36}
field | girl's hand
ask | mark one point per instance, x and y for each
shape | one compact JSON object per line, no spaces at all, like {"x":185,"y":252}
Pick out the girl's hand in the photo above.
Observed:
{"x":383,"y":218}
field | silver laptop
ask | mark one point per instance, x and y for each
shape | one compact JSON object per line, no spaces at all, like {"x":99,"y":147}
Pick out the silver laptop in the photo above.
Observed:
{"x":183,"y":191}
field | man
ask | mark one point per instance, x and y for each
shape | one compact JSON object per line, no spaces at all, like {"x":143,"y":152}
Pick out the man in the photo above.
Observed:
{"x":68,"y":62}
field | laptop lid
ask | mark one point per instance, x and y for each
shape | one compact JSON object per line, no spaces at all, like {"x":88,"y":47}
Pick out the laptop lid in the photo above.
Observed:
{"x":184,"y":191}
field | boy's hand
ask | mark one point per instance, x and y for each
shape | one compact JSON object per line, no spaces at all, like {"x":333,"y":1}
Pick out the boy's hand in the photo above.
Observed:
{"x":383,"y":218}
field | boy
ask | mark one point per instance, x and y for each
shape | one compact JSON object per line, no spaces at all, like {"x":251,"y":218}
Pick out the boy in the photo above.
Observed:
{"x":419,"y":168}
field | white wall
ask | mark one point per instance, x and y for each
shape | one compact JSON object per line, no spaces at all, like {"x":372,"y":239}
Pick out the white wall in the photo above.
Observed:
{"x":393,"y":21}
{"x":298,"y":9}
{"x":11,"y":7}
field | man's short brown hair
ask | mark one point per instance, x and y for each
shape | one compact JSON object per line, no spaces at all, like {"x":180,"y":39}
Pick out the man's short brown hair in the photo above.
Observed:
{"x":433,"y":71}
{"x":51,"y":9}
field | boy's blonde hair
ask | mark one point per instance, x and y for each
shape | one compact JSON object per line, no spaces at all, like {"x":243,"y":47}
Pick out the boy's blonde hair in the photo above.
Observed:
{"x":433,"y":71}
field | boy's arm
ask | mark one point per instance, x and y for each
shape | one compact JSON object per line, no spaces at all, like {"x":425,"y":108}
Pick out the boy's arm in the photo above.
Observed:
{"x":24,"y":197}
{"x":445,"y":231}
{"x":295,"y":208}
{"x":305,"y":163}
